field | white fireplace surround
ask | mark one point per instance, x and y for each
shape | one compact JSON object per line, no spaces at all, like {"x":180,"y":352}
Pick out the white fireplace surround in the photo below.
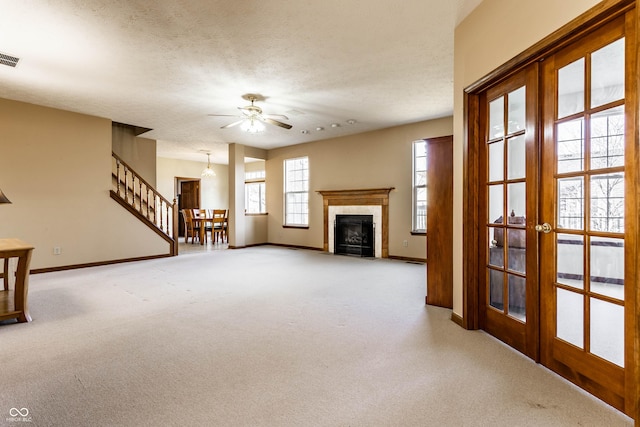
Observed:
{"x":376,"y":211}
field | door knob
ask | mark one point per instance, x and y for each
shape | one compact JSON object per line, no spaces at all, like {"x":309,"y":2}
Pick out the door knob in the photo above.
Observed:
{"x":544,"y":228}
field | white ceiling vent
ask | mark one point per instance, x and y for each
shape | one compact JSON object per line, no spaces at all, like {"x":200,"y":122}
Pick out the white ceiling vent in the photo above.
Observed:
{"x":9,"y":60}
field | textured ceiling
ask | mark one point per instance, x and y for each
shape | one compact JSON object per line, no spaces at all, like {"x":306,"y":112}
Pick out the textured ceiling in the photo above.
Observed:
{"x":167,"y":64}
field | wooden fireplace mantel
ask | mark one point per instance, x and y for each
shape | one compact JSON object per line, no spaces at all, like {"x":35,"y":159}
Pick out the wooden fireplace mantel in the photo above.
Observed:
{"x":363,"y":197}
{"x":373,"y":193}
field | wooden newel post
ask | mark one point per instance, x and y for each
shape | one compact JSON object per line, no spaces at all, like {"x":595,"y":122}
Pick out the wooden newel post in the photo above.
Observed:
{"x":174,"y":226}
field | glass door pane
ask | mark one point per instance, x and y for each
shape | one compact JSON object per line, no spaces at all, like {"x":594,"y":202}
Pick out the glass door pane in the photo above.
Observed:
{"x":570,"y":146}
{"x":516,"y":158}
{"x":570,"y":260}
{"x":607,"y":331}
{"x":607,"y":138}
{"x":571,"y":88}
{"x":607,"y":74}
{"x":607,"y":267}
{"x":570,"y":317}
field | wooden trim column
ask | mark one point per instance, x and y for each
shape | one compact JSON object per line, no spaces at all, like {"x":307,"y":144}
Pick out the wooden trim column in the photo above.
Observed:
{"x":440,"y":221}
{"x":236,"y":225}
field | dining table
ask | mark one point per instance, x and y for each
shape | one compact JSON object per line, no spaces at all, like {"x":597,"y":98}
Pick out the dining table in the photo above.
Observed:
{"x":200,"y":220}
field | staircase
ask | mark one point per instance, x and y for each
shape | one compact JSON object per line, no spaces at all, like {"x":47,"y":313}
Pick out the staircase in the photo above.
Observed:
{"x":143,"y":201}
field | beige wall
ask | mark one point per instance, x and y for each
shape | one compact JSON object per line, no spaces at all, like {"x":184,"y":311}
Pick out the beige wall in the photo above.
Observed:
{"x":214,"y":192}
{"x":55,"y":166}
{"x":255,"y":229}
{"x":368,"y":160}
{"x":254,"y":166}
{"x":495,"y":32}
{"x":139,"y":153}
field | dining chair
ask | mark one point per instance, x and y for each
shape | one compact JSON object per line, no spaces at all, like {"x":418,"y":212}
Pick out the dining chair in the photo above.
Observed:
{"x":206,"y":216}
{"x":204,"y":220}
{"x":226,"y":225}
{"x":186,"y":219}
{"x":219,"y":229}
{"x":191,"y":227}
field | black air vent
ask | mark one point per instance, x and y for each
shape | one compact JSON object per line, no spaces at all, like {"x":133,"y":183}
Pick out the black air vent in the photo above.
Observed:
{"x":9,"y":60}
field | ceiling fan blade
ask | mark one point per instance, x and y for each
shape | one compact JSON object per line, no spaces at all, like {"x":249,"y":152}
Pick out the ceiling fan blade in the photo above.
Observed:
{"x":276,"y":116}
{"x":232,"y":124}
{"x":275,"y":122}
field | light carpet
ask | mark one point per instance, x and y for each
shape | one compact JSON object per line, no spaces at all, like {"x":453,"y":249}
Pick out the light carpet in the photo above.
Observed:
{"x":266,"y":336}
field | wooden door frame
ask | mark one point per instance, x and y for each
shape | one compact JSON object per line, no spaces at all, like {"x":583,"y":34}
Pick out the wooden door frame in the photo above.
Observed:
{"x":177,"y":188}
{"x":472,"y":136}
{"x":179,"y":180}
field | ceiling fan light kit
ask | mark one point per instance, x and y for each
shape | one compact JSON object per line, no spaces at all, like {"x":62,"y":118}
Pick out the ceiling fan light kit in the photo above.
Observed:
{"x":252,"y":125}
{"x":252,"y":119}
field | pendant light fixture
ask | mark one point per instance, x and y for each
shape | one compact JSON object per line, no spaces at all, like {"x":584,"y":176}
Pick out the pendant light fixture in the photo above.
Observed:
{"x":208,"y":172}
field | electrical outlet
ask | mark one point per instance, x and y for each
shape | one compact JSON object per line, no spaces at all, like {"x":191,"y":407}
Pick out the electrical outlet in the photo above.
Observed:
{"x":405,"y":243}
{"x":57,"y":250}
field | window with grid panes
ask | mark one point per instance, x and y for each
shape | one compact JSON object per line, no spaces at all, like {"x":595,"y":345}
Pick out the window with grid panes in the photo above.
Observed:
{"x":254,"y":192}
{"x":296,"y":191}
{"x":419,"y":222}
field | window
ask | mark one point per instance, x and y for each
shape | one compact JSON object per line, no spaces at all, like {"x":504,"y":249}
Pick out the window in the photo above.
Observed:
{"x":296,"y":191}
{"x":419,"y":186}
{"x":254,"y":192}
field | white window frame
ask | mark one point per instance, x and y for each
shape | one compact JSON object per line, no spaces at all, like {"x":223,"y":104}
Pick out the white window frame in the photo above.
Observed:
{"x":296,"y":192}
{"x":252,"y":179}
{"x":419,"y":203}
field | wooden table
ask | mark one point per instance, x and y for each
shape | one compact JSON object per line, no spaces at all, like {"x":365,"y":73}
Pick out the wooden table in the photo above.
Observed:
{"x":13,"y":303}
{"x":202,"y":223}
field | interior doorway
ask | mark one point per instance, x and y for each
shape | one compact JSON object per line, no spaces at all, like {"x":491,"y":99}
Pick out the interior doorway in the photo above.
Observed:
{"x":188,"y":195}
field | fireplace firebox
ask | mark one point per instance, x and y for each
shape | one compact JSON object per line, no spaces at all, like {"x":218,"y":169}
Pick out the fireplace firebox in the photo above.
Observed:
{"x":354,"y":235}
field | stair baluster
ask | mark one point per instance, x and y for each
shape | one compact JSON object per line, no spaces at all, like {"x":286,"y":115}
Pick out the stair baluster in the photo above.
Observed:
{"x":144,"y":201}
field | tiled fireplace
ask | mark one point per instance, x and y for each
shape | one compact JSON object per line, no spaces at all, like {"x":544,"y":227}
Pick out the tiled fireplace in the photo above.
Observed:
{"x":373,"y":202}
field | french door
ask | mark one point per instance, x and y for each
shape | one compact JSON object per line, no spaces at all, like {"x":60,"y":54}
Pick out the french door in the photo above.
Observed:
{"x":557,"y":212}
{"x":589,"y":211}
{"x":508,"y":208}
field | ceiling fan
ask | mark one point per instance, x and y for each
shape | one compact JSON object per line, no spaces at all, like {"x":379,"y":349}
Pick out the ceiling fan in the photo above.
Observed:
{"x":252,"y":118}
